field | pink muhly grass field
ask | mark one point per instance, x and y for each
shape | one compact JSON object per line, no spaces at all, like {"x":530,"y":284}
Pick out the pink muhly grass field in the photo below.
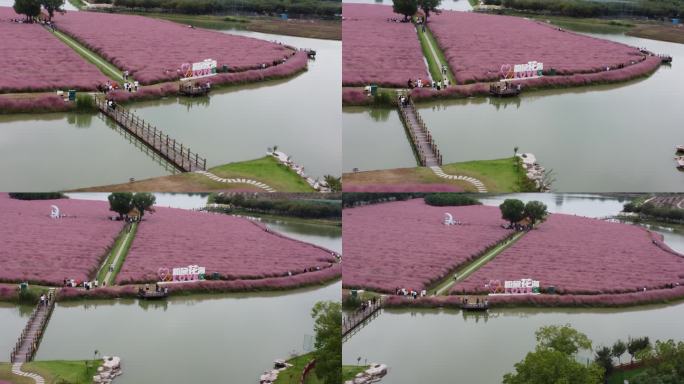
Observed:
{"x":477,"y":45}
{"x":34,"y":60}
{"x":408,"y":187}
{"x":42,"y":103}
{"x":378,"y":51}
{"x":40,"y":249}
{"x":406,"y":245}
{"x":236,"y":248}
{"x":153,"y":50}
{"x":583,"y":256}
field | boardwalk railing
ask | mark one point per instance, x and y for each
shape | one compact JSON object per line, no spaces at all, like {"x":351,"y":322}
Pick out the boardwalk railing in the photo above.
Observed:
{"x":28,"y":341}
{"x":171,"y":150}
{"x":359,"y":317}
{"x":431,"y":144}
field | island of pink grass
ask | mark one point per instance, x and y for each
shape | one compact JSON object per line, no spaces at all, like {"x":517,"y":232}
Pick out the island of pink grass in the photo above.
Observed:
{"x":39,"y":249}
{"x":235,"y":248}
{"x":33,"y":60}
{"x":378,"y":51}
{"x":153,"y":50}
{"x":406,"y":245}
{"x":477,"y":45}
{"x":582,"y":256}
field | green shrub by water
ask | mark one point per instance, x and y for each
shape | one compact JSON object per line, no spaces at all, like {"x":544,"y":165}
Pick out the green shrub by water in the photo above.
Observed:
{"x":36,"y":195}
{"x":450,"y":199}
{"x":85,"y":103}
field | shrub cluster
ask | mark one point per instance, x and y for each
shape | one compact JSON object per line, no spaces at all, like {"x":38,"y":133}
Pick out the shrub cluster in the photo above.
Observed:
{"x":312,"y":209}
{"x":450,"y":199}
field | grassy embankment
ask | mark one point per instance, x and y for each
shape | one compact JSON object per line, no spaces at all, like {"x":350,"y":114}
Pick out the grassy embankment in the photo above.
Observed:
{"x":294,"y":373}
{"x":54,"y":372}
{"x":266,"y":170}
{"x":117,"y":255}
{"x":349,"y":371}
{"x":500,"y":175}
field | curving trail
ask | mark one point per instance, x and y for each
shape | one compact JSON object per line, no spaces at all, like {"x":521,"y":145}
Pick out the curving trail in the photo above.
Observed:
{"x":16,"y":369}
{"x":255,"y":183}
{"x":475,"y":182}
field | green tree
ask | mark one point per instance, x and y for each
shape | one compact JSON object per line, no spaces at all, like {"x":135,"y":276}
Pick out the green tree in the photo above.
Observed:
{"x":619,"y":349}
{"x":120,"y":202}
{"x":328,"y":327}
{"x":535,"y":211}
{"x":512,"y":210}
{"x":335,"y":183}
{"x":637,"y":345}
{"x":604,"y":359}
{"x":429,"y":6}
{"x":666,"y":366}
{"x":52,"y":5}
{"x":144,"y":201}
{"x":407,"y":8}
{"x":562,"y":338}
{"x":30,"y":8}
{"x":549,"y":366}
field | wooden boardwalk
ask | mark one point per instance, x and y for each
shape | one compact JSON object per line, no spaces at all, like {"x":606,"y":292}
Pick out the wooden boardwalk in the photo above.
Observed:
{"x":421,"y":138}
{"x":174,"y":152}
{"x":359,"y":318}
{"x":28,"y":342}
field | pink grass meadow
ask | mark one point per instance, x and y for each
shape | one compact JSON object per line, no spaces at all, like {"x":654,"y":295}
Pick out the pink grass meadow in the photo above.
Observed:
{"x":406,"y":245}
{"x":477,"y":45}
{"x":40,"y":249}
{"x":378,"y":51}
{"x":235,"y":248}
{"x":34,"y":60}
{"x":583,"y":256}
{"x":153,"y":50}
{"x":397,"y":188}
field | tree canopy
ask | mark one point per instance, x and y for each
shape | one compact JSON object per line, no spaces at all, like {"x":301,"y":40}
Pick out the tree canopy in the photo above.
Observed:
{"x":120,"y":202}
{"x":535,"y":211}
{"x":429,"y":6}
{"x":52,"y":5}
{"x":512,"y":210}
{"x":29,"y":8}
{"x":407,"y":8}
{"x":143,"y":201}
{"x":562,"y":338}
{"x":328,"y":327}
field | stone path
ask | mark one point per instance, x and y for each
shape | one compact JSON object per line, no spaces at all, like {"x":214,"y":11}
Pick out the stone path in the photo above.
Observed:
{"x":16,"y":369}
{"x":477,"y":183}
{"x":255,"y":183}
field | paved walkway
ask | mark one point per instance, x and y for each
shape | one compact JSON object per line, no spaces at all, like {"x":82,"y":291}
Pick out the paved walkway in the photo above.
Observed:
{"x":122,"y":246}
{"x":16,"y":369}
{"x":477,"y":183}
{"x":255,"y":183}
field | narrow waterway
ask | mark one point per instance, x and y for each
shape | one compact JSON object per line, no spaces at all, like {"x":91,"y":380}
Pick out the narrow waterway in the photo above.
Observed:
{"x":595,"y":139}
{"x":194,"y":339}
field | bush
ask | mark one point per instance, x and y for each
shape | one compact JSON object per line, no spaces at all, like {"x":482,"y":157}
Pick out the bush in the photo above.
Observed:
{"x":85,"y":103}
{"x":450,"y":199}
{"x":37,"y":195}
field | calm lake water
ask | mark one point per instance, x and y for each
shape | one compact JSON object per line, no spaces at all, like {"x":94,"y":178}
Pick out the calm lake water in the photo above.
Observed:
{"x":453,"y":346}
{"x":595,"y":139}
{"x":197,"y":339}
{"x":438,"y":346}
{"x":13,"y":319}
{"x":300,"y":115}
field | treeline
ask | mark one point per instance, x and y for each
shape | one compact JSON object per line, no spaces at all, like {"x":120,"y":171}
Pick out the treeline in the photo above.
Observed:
{"x":589,"y":8}
{"x":649,"y":209}
{"x":354,"y":199}
{"x":37,"y":195}
{"x":326,"y":9}
{"x":308,"y":209}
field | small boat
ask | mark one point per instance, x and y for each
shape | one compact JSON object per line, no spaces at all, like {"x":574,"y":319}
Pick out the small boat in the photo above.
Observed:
{"x":665,"y":59}
{"x":679,"y":148}
{"x":147,"y":294}
{"x":504,"y":89}
{"x":187,"y":88}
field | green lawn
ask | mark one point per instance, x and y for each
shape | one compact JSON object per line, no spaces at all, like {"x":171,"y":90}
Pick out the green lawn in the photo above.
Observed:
{"x":267,"y":170}
{"x":435,"y":66}
{"x":294,"y":373}
{"x":119,"y":244}
{"x":54,"y":372}
{"x":349,"y":371}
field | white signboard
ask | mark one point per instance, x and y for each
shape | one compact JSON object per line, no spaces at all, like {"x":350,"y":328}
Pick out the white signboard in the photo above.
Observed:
{"x":522,"y":286}
{"x":529,"y":70}
{"x":199,"y":69}
{"x":189,"y":273}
